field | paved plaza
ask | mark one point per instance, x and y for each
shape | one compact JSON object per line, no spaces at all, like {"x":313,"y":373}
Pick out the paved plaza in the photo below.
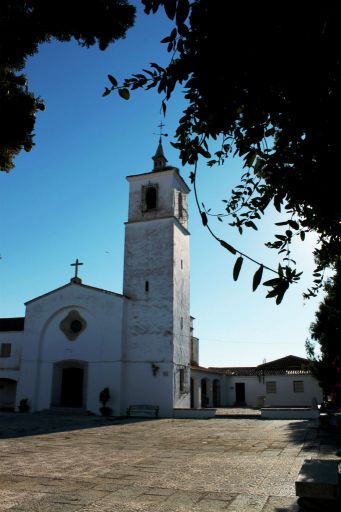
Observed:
{"x":91,"y":464}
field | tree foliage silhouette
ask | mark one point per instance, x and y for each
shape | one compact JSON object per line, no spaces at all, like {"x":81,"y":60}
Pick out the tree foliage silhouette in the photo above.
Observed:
{"x":326,"y":331}
{"x":24,"y":24}
{"x":264,"y":82}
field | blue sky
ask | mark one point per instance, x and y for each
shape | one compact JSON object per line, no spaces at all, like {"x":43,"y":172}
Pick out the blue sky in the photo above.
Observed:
{"x":68,"y":199}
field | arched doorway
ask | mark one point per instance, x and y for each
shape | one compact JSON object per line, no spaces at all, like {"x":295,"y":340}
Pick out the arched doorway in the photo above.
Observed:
{"x":71,"y":394}
{"x":69,"y":384}
{"x":216,"y":393}
{"x":192,"y":393}
{"x":8,"y":391}
{"x":204,"y":397}
{"x":240,"y":393}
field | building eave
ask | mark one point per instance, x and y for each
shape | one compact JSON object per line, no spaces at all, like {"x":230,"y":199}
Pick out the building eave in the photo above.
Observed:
{"x":152,"y":174}
{"x":73,"y":284}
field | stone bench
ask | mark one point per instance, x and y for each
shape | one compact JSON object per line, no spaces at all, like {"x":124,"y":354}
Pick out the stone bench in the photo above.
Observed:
{"x":318,"y":486}
{"x":150,"y":410}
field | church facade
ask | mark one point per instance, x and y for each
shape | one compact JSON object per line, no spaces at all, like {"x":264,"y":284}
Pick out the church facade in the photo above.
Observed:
{"x":77,"y":340}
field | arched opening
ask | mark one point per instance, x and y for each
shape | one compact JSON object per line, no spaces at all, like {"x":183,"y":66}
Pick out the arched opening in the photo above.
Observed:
{"x":216,"y":393}
{"x":240,"y":393}
{"x":69,"y":384}
{"x":8,"y":391}
{"x":72,"y":387}
{"x":204,"y":397}
{"x":151,"y":198}
{"x":180,"y":205}
{"x":192,"y":393}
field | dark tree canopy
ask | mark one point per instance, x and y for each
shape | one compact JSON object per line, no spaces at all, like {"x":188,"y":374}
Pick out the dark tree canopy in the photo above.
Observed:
{"x":24,"y":24}
{"x":263,"y":80}
{"x":326,"y":331}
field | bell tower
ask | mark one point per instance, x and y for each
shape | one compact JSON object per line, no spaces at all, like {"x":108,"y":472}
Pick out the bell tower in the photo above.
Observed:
{"x":156,"y":343}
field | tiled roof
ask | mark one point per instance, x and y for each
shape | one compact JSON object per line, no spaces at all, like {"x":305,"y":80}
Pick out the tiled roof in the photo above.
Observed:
{"x":12,"y":324}
{"x":287,"y":362}
{"x":284,"y":365}
{"x":195,"y":367}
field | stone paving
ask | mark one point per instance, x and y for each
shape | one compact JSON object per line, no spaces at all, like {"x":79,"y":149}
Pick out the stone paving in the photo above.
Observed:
{"x":92,"y":464}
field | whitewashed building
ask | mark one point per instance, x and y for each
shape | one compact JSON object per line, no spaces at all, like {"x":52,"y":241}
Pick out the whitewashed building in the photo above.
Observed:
{"x":76,"y":340}
{"x":285,"y":382}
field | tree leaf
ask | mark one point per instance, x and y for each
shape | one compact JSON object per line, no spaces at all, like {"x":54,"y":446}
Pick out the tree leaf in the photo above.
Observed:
{"x":166,"y":39}
{"x":251,"y":224}
{"x":272,"y":282}
{"x":257,"y":278}
{"x":269,"y":132}
{"x":157,"y":67}
{"x":293,"y":224}
{"x":124,"y":93}
{"x":182,"y":11}
{"x":173,"y":34}
{"x":203,"y":152}
{"x":170,"y":8}
{"x":277,"y":203}
{"x":237,"y":267}
{"x":281,"y":292}
{"x":106,"y":92}
{"x":250,"y":158}
{"x":228,"y":246}
{"x":272,"y":293}
{"x":204,"y":218}
{"x":113,"y":80}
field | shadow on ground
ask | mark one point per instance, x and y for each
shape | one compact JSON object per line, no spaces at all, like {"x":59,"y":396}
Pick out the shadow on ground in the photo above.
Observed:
{"x":14,"y":425}
{"x":315,"y":434}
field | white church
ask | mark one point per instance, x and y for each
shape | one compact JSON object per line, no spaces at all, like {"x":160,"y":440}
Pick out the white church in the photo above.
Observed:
{"x":76,"y":340}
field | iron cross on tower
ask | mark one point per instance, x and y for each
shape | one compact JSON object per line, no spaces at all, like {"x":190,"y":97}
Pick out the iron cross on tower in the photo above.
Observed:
{"x":76,"y":265}
{"x":161,"y":134}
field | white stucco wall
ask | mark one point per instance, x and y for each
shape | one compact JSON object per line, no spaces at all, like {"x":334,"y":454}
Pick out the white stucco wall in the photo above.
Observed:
{"x":156,"y":315}
{"x":12,"y":363}
{"x":255,"y":388}
{"x":98,"y":346}
{"x":149,"y":322}
{"x":10,"y":368}
{"x":169,"y":184}
{"x":285,"y":396}
{"x":181,"y":315}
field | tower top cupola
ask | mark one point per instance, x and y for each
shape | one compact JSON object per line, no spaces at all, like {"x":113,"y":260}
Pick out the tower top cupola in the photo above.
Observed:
{"x":159,"y":158}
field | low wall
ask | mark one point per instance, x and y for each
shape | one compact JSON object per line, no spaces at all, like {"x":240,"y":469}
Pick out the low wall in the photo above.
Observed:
{"x":204,"y":413}
{"x":289,"y":413}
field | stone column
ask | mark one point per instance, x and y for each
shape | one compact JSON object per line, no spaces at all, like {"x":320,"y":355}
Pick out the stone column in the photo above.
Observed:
{"x":209,"y":390}
{"x":197,"y":393}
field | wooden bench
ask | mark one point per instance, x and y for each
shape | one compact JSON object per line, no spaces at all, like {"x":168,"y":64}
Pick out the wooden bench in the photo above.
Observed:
{"x":150,"y":410}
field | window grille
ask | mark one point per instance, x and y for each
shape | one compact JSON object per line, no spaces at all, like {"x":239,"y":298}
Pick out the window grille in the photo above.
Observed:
{"x":298,"y":386}
{"x":5,"y":349}
{"x":271,"y":387}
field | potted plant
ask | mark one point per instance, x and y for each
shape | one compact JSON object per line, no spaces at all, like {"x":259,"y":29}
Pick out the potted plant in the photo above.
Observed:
{"x":24,"y":405}
{"x":104,"y":397}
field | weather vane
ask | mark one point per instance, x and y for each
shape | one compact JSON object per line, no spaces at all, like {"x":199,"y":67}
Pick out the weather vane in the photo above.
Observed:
{"x":161,"y":134}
